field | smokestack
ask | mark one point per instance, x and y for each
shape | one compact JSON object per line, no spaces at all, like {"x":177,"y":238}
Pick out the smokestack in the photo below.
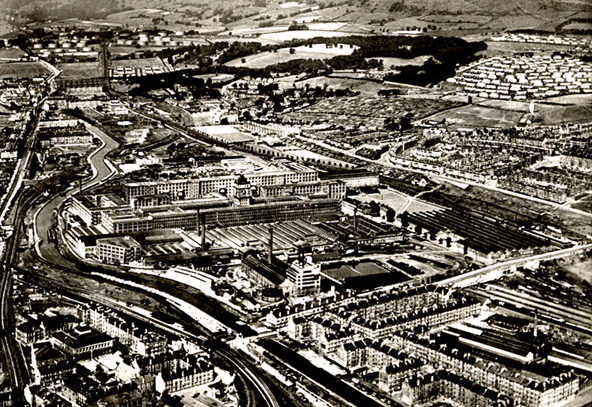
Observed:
{"x":356,"y":219}
{"x":536,"y":320}
{"x":270,"y":249}
{"x":203,"y":236}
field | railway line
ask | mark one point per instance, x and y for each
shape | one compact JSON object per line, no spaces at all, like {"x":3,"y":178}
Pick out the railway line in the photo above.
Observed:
{"x":11,"y":353}
{"x":558,"y":311}
{"x":262,"y":396}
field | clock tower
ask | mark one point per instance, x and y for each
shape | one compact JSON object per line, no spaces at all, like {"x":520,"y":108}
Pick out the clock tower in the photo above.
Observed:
{"x":242,"y":192}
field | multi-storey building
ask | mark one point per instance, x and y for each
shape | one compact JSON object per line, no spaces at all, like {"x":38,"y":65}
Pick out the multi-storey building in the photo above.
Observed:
{"x":175,"y":217}
{"x":83,"y":343}
{"x":435,"y":316}
{"x":306,"y":275}
{"x":194,"y":188}
{"x":526,"y":388}
{"x":183,"y":378}
{"x":139,"y":340}
{"x":49,"y":366}
{"x":445,"y":385}
{"x":373,"y":306}
{"x":332,"y":189}
{"x":118,"y":250}
{"x":391,"y":377}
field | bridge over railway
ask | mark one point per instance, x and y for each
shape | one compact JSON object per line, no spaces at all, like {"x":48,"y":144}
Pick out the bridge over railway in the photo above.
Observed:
{"x":496,"y":271}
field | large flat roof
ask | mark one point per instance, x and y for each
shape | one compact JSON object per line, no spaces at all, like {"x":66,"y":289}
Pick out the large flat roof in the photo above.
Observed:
{"x":228,"y":134}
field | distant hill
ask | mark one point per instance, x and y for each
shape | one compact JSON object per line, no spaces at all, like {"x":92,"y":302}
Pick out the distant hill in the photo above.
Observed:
{"x":362,"y":12}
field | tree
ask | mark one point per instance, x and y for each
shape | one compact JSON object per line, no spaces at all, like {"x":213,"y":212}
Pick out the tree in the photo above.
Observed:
{"x":374,"y":208}
{"x":292,"y":51}
{"x":390,"y":215}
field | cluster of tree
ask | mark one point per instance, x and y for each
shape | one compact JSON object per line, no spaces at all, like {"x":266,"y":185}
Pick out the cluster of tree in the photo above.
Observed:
{"x":353,"y":62}
{"x":579,"y":31}
{"x":198,"y":87}
{"x":441,"y":48}
{"x":237,"y":50}
{"x":431,"y":72}
{"x":400,"y":7}
{"x":559,"y":29}
{"x":297,"y":27}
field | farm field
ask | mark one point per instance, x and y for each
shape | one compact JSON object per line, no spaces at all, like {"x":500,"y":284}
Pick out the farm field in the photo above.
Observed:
{"x":22,"y":70}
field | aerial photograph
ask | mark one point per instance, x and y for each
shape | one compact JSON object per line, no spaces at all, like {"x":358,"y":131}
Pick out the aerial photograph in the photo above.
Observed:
{"x":295,"y":203}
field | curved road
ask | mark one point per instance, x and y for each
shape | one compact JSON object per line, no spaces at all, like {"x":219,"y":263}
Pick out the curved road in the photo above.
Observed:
{"x":102,"y":171}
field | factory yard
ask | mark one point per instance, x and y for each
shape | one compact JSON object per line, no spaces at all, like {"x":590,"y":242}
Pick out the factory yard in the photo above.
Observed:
{"x":396,"y":201}
{"x":285,"y":235}
{"x":137,"y":67}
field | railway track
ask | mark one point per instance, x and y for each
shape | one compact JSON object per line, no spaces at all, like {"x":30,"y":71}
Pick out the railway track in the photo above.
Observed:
{"x":263,"y":395}
{"x":572,"y":315}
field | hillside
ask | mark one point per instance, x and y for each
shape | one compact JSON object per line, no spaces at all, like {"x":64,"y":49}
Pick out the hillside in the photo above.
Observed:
{"x":360,"y":15}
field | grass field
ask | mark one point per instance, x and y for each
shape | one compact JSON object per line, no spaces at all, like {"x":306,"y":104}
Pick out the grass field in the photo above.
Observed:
{"x":137,"y":63}
{"x":395,"y":200}
{"x":479,"y":116}
{"x":584,"y":204}
{"x":580,"y":113}
{"x":362,"y":86}
{"x":290,"y":35}
{"x":578,"y":26}
{"x":581,"y":269}
{"x":388,"y":62}
{"x":80,"y":70}
{"x":11,"y":53}
{"x":22,"y":70}
{"x":265,"y":59}
{"x":363,"y":268}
